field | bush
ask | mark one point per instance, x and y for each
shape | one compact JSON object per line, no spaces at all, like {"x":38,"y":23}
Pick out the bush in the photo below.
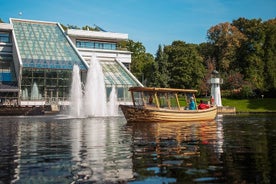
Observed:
{"x":246,"y":92}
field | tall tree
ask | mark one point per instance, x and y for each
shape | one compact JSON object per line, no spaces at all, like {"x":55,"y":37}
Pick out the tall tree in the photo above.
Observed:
{"x":160,"y":75}
{"x":251,"y":53}
{"x":186,"y":69}
{"x":270,"y":54}
{"x":226,"y":39}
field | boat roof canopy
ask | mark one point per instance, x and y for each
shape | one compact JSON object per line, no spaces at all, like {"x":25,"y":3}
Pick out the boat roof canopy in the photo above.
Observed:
{"x":161,"y":90}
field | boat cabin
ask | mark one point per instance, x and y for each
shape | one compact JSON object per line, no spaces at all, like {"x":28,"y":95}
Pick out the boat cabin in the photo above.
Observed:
{"x":168,"y":98}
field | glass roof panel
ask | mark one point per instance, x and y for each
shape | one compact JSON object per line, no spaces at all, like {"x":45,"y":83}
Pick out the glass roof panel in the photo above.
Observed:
{"x":115,"y":75}
{"x":44,"y":45}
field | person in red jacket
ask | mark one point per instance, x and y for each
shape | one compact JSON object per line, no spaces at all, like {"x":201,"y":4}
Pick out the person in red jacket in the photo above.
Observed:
{"x":203,"y":105}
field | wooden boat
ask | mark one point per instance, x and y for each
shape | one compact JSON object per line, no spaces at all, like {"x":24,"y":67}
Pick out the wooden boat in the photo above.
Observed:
{"x":163,"y":105}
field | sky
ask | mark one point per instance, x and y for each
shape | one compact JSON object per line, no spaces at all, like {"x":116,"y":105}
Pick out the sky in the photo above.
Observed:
{"x":151,"y":22}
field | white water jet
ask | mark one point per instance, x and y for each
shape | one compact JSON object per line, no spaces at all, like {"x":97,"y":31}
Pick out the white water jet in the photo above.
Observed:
{"x":113,"y":103}
{"x":76,"y":106}
{"x":94,"y":101}
{"x":95,"y":93}
{"x":35,"y":93}
{"x":25,"y":95}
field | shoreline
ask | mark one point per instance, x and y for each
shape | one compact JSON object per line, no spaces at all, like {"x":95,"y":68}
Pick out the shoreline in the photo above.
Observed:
{"x":255,"y":112}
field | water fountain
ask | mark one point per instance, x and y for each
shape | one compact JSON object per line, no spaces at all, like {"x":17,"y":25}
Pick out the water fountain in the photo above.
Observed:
{"x":76,"y":107}
{"x":25,"y":95}
{"x":94,"y":101}
{"x":95,"y":93}
{"x":112,"y":103}
{"x":35,"y":93}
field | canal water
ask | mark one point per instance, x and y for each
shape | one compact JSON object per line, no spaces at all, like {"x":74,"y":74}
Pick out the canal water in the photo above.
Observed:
{"x":58,"y":149}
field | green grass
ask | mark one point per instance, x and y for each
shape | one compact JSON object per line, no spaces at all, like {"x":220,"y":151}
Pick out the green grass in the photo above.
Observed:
{"x":251,"y":105}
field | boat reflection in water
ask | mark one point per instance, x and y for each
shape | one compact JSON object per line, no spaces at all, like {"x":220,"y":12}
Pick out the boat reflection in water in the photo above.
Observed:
{"x":177,"y":152}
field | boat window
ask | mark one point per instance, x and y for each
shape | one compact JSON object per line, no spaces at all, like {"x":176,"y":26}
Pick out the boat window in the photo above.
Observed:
{"x":149,"y":98}
{"x":162,"y":100}
{"x":168,"y":100}
{"x":183,"y":100}
{"x":138,"y":98}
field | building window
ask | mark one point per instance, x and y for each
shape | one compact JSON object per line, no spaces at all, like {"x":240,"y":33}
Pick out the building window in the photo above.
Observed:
{"x":95,"y":45}
{"x":51,"y":84}
{"x":7,"y":73}
{"x":4,"y":37}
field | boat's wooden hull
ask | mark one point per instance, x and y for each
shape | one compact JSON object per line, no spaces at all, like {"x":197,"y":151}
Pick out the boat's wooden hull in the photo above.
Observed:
{"x":140,"y":114}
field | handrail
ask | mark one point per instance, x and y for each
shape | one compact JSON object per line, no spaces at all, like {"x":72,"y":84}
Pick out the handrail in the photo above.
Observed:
{"x":160,"y":90}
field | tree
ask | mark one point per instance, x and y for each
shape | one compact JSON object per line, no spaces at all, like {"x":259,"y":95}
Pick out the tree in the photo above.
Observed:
{"x":147,"y":70}
{"x":226,"y":39}
{"x":141,"y":61}
{"x":160,"y":72}
{"x":251,"y":53}
{"x":69,"y":27}
{"x":186,"y":69}
{"x":206,"y":51}
{"x":90,"y":28}
{"x":234,"y":81}
{"x":72,"y":26}
{"x":270,"y":54}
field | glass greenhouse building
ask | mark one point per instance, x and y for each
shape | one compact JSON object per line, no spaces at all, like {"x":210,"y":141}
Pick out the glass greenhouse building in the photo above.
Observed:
{"x":37,"y":59}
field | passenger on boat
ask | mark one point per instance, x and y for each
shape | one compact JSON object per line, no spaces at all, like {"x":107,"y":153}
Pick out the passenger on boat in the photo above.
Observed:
{"x":203,"y":105}
{"x":192,"y":105}
{"x":150,"y":99}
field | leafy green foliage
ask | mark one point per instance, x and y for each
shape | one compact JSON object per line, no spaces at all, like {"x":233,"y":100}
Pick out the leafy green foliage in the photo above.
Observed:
{"x":270,"y":54}
{"x":185,"y":65}
{"x":226,"y":39}
{"x":90,"y":28}
{"x":244,"y":54}
{"x":251,"y":53}
{"x":141,"y":64}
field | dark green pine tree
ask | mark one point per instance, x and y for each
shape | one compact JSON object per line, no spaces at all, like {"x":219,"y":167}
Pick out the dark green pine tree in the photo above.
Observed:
{"x":160,"y":76}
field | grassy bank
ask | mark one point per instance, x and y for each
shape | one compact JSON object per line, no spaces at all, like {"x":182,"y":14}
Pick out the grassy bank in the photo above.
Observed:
{"x":251,"y":105}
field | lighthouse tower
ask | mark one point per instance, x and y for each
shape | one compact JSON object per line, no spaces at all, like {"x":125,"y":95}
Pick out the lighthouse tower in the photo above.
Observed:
{"x":215,"y":88}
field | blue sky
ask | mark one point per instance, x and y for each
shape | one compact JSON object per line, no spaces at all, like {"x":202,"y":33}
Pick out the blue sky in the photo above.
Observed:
{"x":151,"y":22}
